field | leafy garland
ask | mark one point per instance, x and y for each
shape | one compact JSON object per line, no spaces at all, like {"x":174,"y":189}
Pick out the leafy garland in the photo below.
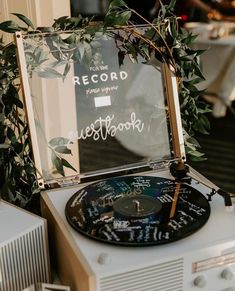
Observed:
{"x":165,"y":40}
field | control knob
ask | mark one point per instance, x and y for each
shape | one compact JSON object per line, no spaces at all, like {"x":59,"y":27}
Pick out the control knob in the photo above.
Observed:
{"x":200,"y":281}
{"x":227,"y":274}
{"x":103,"y":259}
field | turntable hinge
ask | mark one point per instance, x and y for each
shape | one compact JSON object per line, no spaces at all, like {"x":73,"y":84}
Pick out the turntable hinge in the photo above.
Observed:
{"x":69,"y":182}
{"x":60,"y":183}
{"x":159,"y":165}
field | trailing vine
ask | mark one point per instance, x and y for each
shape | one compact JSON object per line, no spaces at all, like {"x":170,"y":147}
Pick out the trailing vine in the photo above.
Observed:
{"x":163,"y":39}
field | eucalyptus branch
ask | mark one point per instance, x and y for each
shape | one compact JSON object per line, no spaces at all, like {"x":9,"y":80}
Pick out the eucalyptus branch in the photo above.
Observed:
{"x":144,"y":39}
{"x":159,"y":33}
{"x":139,"y":35}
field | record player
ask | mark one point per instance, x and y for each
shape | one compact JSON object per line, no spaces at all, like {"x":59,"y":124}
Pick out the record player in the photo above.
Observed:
{"x":125,"y":212}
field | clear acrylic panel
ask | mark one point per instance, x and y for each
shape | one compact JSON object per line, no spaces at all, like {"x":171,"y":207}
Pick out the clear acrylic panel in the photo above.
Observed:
{"x":95,"y":108}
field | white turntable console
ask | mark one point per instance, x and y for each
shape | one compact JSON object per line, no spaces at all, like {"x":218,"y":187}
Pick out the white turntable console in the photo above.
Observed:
{"x":90,"y":119}
{"x":203,"y":261}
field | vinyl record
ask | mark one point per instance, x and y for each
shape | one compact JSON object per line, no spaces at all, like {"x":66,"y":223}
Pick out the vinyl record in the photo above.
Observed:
{"x":137,"y":210}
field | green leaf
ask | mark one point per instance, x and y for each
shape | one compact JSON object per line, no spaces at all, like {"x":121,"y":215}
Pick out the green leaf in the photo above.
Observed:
{"x":198,"y":72}
{"x":202,"y":125}
{"x":172,"y":4}
{"x":193,"y":141}
{"x":62,"y":150}
{"x":109,"y":19}
{"x":204,"y":110}
{"x":36,"y":190}
{"x":124,"y":17}
{"x":59,"y":141}
{"x":30,"y":57}
{"x":18,"y":103}
{"x":195,"y":81}
{"x":190,"y":148}
{"x":132,"y":52}
{"x":68,"y":165}
{"x":87,"y":53}
{"x":66,"y":69}
{"x":30,"y":169}
{"x":45,"y":29}
{"x":18,"y":147}
{"x":121,"y":57}
{"x":113,"y":18}
{"x":59,"y":166}
{"x":70,"y":39}
{"x":11,"y":135}
{"x":73,"y":22}
{"x":61,"y":19}
{"x":145,"y":51}
{"x":57,"y":162}
{"x":76,"y":55}
{"x":81,"y":49}
{"x":200,"y":52}
{"x":49,"y":73}
{"x":190,"y":86}
{"x":150,"y":33}
{"x":40,"y":55}
{"x":196,"y":153}
{"x":190,"y":39}
{"x":9,"y":26}
{"x":117,"y":4}
{"x":174,"y":30}
{"x":24,"y":19}
{"x":197,"y":159}
{"x":204,"y":120}
{"x":95,"y":44}
{"x":162,"y":10}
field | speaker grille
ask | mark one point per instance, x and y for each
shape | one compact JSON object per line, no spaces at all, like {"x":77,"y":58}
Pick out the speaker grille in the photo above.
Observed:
{"x":166,"y":276}
{"x":24,"y":261}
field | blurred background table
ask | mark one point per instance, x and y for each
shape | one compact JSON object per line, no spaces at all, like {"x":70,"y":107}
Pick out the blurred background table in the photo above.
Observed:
{"x":218,"y":62}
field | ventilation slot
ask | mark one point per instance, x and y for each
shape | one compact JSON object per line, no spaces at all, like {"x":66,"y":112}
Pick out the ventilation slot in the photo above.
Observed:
{"x":162,"y":277}
{"x":23,"y":261}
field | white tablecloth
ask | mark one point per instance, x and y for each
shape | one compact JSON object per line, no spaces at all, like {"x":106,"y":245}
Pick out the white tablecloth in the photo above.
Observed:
{"x":218,"y":66}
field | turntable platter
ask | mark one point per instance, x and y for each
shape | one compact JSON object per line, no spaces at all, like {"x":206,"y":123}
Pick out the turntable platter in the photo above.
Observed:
{"x":137,"y":210}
